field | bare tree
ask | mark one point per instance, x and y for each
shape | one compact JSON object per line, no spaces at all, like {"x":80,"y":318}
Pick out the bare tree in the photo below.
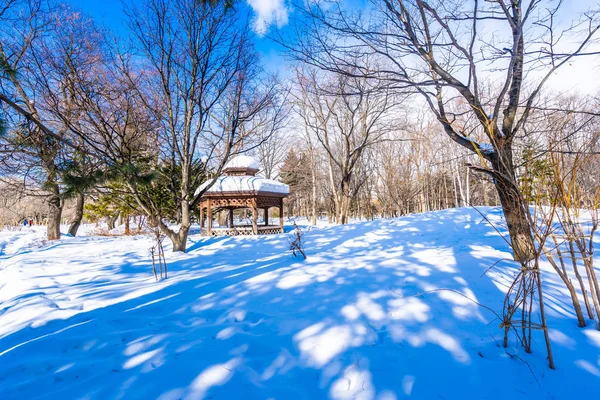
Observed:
{"x":347,"y":115}
{"x":48,"y":50}
{"x":204,"y":73}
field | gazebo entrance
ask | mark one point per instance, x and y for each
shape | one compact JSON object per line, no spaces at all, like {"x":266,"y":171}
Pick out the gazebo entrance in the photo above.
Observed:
{"x":239,"y":188}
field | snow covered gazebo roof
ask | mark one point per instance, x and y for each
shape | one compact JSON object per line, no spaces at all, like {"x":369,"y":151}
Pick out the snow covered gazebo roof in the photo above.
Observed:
{"x":241,"y":165}
{"x":243,"y":184}
{"x":238,"y":178}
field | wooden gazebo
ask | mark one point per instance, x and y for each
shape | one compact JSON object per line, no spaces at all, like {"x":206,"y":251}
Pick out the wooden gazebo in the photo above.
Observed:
{"x":238,"y":188}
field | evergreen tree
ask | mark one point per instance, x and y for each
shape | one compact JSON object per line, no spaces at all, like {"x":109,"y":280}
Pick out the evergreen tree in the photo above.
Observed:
{"x":295,"y":173}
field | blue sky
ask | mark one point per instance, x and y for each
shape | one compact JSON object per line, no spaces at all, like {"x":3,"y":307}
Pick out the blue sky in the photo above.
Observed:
{"x":268,"y":13}
{"x":107,"y":12}
{"x":580,"y":76}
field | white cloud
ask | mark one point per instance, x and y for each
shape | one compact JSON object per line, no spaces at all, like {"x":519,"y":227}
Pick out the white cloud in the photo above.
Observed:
{"x":267,"y":13}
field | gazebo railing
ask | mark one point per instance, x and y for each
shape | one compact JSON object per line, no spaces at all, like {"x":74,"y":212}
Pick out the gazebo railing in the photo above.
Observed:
{"x":242,"y":230}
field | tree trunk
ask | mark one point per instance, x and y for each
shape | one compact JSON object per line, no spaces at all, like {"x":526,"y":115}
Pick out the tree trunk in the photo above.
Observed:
{"x":484,"y":192}
{"x":455,"y":190}
{"x":445,"y":191}
{"x":54,"y":216}
{"x":345,"y":209}
{"x":76,"y":221}
{"x":460,"y":187}
{"x":314,"y":191}
{"x":179,"y":239}
{"x":422,"y":206}
{"x":344,"y":203}
{"x":514,"y":207}
{"x":333,"y":189}
{"x":111,"y":221}
{"x":467,"y":188}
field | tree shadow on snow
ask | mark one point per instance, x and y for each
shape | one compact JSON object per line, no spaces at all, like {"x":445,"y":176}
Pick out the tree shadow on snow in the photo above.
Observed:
{"x":362,"y":317}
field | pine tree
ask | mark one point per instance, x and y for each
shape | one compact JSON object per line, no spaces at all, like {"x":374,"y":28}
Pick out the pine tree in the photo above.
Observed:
{"x":295,"y":173}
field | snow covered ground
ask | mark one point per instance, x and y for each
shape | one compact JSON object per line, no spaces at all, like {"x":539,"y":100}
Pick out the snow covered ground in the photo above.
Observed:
{"x":240,"y":318}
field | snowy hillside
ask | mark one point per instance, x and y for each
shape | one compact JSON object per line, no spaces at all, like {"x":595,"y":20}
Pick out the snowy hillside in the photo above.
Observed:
{"x":239,"y":317}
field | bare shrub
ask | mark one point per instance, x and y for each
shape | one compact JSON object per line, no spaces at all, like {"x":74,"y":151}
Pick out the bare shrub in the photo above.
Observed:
{"x":572,"y":216}
{"x":297,"y":242}
{"x":525,"y":297}
{"x":156,"y":250}
{"x":158,"y":254}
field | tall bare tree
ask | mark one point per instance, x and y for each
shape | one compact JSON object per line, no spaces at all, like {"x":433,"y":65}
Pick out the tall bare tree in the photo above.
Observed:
{"x":347,"y":115}
{"x":48,"y":51}
{"x":201,"y":64}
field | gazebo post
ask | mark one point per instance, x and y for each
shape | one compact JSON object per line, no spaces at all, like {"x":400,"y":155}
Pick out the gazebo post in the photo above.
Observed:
{"x":254,"y":218}
{"x":266,"y":217}
{"x":209,"y":217}
{"x":281,"y":214}
{"x":230,"y":217}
